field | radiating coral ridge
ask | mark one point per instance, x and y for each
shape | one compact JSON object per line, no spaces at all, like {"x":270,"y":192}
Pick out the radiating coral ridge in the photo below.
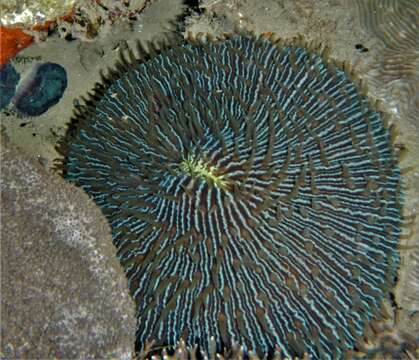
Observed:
{"x":252,"y":191}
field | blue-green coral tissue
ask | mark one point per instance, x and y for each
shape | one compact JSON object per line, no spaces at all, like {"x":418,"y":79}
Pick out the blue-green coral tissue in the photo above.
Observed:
{"x":252,"y":191}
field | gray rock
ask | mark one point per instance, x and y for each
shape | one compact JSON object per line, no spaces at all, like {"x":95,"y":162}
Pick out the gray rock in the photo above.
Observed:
{"x":64,"y":294}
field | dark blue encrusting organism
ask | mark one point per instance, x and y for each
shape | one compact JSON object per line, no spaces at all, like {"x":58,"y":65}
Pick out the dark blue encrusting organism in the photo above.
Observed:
{"x":9,"y":79}
{"x":252,"y":191}
{"x":43,"y":88}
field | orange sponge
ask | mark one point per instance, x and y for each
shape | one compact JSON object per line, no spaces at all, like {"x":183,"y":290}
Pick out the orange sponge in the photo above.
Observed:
{"x":12,"y":40}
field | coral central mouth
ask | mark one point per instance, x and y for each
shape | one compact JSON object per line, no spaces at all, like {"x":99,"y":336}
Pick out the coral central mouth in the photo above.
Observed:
{"x":197,"y":168}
